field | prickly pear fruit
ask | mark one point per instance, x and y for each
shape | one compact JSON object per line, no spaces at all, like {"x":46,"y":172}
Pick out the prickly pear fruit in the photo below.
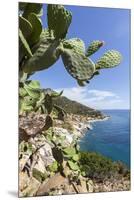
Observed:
{"x":59,"y":20}
{"x":93,"y":47}
{"x":45,"y":55}
{"x":111,"y":58}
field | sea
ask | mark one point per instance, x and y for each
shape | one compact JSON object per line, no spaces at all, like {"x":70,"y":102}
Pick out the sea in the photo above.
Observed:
{"x":110,"y":137}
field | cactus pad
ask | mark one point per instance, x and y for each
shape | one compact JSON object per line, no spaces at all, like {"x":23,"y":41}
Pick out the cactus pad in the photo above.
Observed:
{"x":44,"y":56}
{"x":59,"y":20}
{"x":22,"y":92}
{"x":74,"y":43}
{"x":93,"y":47}
{"x":48,"y":103}
{"x":30,"y":96}
{"x":110,"y":59}
{"x":26,"y":104}
{"x":34,"y":84}
{"x":37,"y":27}
{"x":32,"y":8}
{"x":77,"y":64}
{"x":24,"y":49}
{"x":32,"y":92}
{"x":25,"y":26}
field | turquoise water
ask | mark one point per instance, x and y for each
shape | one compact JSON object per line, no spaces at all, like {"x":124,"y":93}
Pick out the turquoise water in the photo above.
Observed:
{"x":111,"y":137}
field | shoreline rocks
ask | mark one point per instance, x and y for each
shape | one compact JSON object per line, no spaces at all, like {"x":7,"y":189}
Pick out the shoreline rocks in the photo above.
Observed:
{"x":36,"y":156}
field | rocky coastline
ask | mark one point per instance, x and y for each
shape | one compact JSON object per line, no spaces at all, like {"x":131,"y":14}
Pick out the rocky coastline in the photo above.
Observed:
{"x":35,"y":157}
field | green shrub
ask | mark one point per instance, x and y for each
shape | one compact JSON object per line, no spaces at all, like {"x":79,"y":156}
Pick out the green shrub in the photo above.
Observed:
{"x":94,"y":165}
{"x":122,"y":169}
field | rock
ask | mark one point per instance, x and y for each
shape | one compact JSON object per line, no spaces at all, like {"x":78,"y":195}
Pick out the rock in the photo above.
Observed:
{"x":23,"y":180}
{"x":45,"y":152}
{"x":23,"y":161}
{"x":114,"y":185}
{"x":31,"y":190}
{"x":40,"y":166}
{"x":90,"y":186}
{"x":43,"y":181}
{"x":82,"y":188}
{"x":66,"y":169}
{"x":25,"y":151}
{"x":66,"y":189}
{"x":64,"y":133}
{"x":53,"y":182}
{"x":32,"y":124}
{"x":23,"y":135}
{"x":40,"y":176}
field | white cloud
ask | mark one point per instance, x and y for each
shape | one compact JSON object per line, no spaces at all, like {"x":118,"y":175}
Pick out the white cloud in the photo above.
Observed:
{"x":99,"y":99}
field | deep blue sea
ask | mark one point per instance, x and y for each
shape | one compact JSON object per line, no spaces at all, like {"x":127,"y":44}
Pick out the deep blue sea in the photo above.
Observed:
{"x":110,"y":137}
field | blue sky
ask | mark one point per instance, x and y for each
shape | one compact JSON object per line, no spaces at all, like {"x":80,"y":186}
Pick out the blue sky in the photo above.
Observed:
{"x":111,"y":89}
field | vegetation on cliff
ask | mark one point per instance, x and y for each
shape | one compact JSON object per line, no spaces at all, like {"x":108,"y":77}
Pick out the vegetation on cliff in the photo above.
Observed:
{"x":74,"y":107}
{"x":99,"y":167}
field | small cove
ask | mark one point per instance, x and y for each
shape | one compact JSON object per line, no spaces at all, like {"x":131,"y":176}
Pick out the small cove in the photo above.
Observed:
{"x":110,"y":137}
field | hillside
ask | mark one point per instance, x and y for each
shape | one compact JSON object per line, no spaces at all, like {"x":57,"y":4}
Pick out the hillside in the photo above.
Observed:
{"x":74,"y":107}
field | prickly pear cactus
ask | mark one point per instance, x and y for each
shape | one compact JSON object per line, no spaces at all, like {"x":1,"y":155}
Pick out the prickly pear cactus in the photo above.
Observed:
{"x":48,"y":103}
{"x":33,"y":98}
{"x":111,"y":58}
{"x":93,"y":47}
{"x":29,"y":94}
{"x":24,"y":48}
{"x":42,"y":53}
{"x":32,"y":92}
{"x":25,"y":27}
{"x":59,"y":20}
{"x":77,"y":65}
{"x":52,"y":93}
{"x":31,"y":8}
{"x":26,"y":104}
{"x":75,"y":43}
{"x":61,"y":112}
{"x":75,"y":61}
{"x":45,"y":55}
{"x":36,"y":28}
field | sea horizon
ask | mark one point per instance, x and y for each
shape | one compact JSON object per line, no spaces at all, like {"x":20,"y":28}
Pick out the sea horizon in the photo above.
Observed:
{"x":116,"y":109}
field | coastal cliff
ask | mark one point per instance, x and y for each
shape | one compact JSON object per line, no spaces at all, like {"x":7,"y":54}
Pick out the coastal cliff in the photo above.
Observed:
{"x":50,"y":159}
